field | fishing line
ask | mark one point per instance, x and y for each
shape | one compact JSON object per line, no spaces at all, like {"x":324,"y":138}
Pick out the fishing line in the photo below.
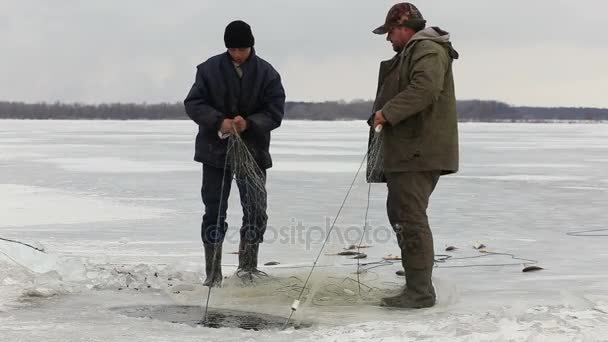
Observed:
{"x":586,"y":233}
{"x":24,"y":244}
{"x":215,"y":250}
{"x":247,"y":172}
{"x":374,"y":147}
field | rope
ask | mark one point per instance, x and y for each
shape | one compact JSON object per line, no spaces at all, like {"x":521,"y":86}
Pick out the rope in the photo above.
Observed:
{"x":374,"y":158}
{"x":327,"y":237}
{"x":217,"y":225}
{"x":247,"y":173}
{"x":369,"y":189}
{"x":25,"y":244}
{"x":487,"y":254}
{"x":444,"y":258}
{"x":586,"y":233}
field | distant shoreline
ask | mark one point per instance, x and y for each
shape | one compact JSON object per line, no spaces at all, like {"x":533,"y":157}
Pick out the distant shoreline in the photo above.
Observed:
{"x":468,"y":111}
{"x":588,"y":122}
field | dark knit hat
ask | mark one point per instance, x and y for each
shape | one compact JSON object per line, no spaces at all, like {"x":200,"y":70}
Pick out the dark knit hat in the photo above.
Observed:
{"x":238,"y":35}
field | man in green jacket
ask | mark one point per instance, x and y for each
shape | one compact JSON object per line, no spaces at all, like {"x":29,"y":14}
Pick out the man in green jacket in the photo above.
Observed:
{"x":416,"y":107}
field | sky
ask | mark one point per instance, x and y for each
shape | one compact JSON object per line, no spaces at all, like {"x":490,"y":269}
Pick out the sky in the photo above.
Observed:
{"x":522,"y":52}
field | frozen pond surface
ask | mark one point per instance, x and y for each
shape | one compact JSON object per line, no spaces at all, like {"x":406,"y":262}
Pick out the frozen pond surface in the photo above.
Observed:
{"x":116,"y":207}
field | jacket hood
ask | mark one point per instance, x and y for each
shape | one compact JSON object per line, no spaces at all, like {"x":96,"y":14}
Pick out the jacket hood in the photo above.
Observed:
{"x":434,"y":34}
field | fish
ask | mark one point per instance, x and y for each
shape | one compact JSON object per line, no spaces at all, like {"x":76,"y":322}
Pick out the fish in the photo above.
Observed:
{"x":345,"y":253}
{"x":235,"y":253}
{"x":400,"y":273}
{"x":391,"y":257}
{"x":479,"y":245}
{"x":450,"y":248}
{"x":364,"y":246}
{"x":360,"y":256}
{"x":351,"y":247}
{"x":532,"y":269}
{"x":272,"y":263}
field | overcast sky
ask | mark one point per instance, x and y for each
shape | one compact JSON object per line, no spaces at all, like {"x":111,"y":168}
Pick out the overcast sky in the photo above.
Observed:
{"x":523,"y":52}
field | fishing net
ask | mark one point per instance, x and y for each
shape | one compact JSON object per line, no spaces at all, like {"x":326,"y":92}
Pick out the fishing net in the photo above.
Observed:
{"x":375,"y":156}
{"x":249,"y":176}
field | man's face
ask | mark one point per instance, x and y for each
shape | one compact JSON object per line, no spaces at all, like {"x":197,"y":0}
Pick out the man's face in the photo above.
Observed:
{"x":399,"y":36}
{"x":239,"y":55}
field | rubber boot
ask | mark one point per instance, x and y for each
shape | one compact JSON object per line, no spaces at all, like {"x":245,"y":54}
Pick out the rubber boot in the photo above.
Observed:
{"x":213,"y":265}
{"x":419,"y":292}
{"x":248,"y":262}
{"x":418,"y":258}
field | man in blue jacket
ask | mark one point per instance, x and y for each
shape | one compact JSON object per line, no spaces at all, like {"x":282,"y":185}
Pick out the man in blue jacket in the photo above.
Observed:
{"x":235,"y":92}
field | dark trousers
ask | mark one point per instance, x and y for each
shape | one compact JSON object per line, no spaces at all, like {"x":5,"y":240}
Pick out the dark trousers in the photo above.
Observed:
{"x":215,"y":198}
{"x":407,"y":202}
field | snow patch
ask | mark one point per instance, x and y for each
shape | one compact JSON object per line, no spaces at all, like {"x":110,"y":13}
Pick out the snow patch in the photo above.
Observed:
{"x":119,"y":165}
{"x":30,"y":205}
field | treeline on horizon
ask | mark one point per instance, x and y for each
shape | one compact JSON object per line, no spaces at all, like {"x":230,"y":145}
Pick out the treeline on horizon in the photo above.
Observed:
{"x":468,"y":110}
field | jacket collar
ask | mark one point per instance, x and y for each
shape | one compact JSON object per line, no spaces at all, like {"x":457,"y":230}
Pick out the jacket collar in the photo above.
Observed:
{"x":245,"y":65}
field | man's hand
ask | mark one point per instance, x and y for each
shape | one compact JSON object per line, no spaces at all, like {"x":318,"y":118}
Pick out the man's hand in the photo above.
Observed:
{"x":240,"y":124}
{"x":379,"y":119}
{"x":226,"y":127}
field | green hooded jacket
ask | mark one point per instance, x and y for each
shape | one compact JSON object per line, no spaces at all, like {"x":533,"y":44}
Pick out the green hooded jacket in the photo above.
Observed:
{"x":416,"y":95}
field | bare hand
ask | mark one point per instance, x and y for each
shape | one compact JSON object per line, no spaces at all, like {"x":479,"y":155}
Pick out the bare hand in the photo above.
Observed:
{"x":226,"y":127}
{"x":379,"y":119}
{"x":240,"y":124}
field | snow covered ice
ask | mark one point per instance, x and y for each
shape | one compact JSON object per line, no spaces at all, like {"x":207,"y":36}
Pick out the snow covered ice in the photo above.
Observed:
{"x":116,"y":208}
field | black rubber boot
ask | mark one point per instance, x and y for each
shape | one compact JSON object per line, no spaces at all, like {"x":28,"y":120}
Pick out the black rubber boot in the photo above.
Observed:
{"x":407,"y":301}
{"x":213,"y":265}
{"x":418,"y":257}
{"x":418,"y":293}
{"x":248,"y":262}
